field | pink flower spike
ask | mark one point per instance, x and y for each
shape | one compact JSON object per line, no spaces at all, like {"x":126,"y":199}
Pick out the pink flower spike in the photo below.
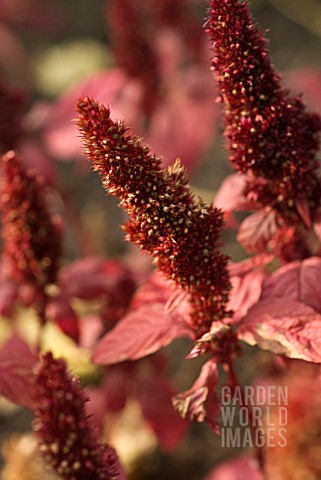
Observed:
{"x":65,"y":434}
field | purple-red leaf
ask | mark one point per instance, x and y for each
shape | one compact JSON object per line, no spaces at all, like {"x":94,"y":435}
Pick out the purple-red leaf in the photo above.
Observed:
{"x":148,"y":326}
{"x":200,"y":401}
{"x":230,"y":196}
{"x":285,"y":327}
{"x":155,"y":396}
{"x":298,"y":281}
{"x":61,"y":313}
{"x":156,"y":290}
{"x":258,"y":229}
{"x":16,"y":372}
{"x":140,"y":333}
{"x":85,"y":278}
{"x":246,"y":280}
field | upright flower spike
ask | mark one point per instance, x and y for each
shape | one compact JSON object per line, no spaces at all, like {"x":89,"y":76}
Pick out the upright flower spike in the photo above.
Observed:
{"x":269,"y":133}
{"x":132,"y":42}
{"x":181,"y":233}
{"x":65,"y":435}
{"x":31,"y":234}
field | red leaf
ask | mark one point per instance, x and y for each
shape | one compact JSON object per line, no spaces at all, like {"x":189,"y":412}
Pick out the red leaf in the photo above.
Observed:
{"x":16,"y":372}
{"x":299,"y":281}
{"x":155,"y":396}
{"x":60,"y":312}
{"x":90,"y":329}
{"x":243,"y":468}
{"x":84,"y":278}
{"x":116,"y":387}
{"x":139,"y":333}
{"x":200,"y":402}
{"x":229,"y":196}
{"x":156,"y":290}
{"x":94,"y":277}
{"x":285,"y":327}
{"x":246,"y":280}
{"x":258,"y":229}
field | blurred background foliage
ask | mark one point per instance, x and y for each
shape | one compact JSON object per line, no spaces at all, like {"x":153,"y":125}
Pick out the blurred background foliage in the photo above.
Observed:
{"x":50,"y":45}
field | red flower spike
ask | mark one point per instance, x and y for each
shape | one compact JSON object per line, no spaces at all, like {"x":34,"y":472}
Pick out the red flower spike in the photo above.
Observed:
{"x":66,"y":437}
{"x":31,"y":235}
{"x":181,"y":233}
{"x":132,"y":41}
{"x":269,"y":133}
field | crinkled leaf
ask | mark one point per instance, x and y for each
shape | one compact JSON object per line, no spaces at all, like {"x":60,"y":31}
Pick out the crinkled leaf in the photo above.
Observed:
{"x":246,"y":280}
{"x":16,"y":372}
{"x":222,"y":341}
{"x":285,"y":327}
{"x":299,"y":281}
{"x":200,"y":401}
{"x":155,"y":396}
{"x":258,"y":229}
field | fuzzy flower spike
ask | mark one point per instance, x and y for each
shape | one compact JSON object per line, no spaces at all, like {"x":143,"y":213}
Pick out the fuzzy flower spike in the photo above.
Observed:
{"x":270,"y":135}
{"x":32,"y":243}
{"x":179,"y":232}
{"x":65,"y":435}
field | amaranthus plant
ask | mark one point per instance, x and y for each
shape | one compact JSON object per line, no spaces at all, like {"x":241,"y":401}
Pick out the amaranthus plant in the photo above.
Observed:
{"x":121,"y":313}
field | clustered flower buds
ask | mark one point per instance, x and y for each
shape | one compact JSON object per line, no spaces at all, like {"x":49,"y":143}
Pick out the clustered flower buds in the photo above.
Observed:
{"x":66,"y":437}
{"x":180,"y":232}
{"x":269,"y":133}
{"x":31,"y":234}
